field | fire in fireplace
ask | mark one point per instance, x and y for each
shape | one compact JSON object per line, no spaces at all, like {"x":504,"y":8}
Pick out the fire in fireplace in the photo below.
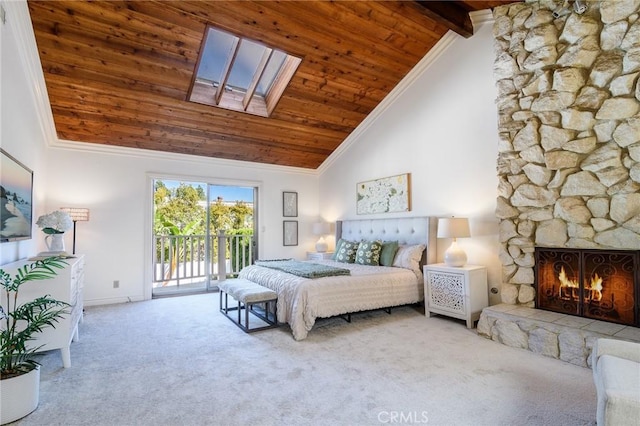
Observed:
{"x":597,"y":284}
{"x":570,"y":289}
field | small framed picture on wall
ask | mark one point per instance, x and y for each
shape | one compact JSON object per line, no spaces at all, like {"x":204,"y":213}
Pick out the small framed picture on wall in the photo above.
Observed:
{"x":289,"y":204}
{"x":290,"y":232}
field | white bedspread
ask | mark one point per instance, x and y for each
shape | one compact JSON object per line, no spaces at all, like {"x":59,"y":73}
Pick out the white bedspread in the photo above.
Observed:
{"x":302,"y":300}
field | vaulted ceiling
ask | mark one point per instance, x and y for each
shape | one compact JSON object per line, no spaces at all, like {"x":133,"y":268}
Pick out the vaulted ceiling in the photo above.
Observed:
{"x":118,"y":73}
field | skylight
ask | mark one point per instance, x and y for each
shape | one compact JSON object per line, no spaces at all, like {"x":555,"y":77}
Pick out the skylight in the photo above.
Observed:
{"x":240,"y":74}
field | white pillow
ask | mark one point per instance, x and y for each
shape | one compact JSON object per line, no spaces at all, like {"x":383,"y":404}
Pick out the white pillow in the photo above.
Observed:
{"x":409,"y":257}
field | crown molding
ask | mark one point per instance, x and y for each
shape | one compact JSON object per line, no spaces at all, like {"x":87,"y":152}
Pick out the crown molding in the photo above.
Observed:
{"x":19,"y":19}
{"x":170,"y":156}
{"x":481,"y":17}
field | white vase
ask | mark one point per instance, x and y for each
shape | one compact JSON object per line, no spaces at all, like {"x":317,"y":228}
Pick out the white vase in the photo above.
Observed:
{"x":19,"y":396}
{"x":55,"y":243}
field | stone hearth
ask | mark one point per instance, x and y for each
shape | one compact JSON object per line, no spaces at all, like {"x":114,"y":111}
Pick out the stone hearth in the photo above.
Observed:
{"x":552,"y":334}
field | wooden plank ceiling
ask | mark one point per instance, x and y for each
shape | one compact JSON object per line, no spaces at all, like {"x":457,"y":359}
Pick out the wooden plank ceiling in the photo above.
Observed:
{"x":118,"y":73}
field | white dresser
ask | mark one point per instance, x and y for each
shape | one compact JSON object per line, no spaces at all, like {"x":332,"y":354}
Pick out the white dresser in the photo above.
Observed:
{"x":66,"y":287}
{"x":456,"y":292}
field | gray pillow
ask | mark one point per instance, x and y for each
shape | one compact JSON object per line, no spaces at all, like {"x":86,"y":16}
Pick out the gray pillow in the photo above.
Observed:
{"x":409,"y":256}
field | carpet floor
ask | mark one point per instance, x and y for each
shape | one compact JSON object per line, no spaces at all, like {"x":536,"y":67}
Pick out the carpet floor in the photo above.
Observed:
{"x":179,"y":361}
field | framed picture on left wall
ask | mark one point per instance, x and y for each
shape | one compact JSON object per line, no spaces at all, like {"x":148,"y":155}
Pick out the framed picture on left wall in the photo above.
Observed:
{"x":289,"y":204}
{"x":290,"y":232}
{"x":16,"y":199}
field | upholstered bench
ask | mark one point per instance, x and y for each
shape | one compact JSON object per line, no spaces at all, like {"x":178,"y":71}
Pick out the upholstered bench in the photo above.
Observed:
{"x":248,"y":295}
{"x":616,"y":372}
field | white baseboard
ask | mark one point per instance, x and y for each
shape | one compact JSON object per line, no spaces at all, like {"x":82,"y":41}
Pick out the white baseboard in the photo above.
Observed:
{"x":113,"y":300}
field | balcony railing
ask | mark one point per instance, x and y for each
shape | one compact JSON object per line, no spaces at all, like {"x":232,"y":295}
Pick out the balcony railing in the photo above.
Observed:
{"x":181,"y":260}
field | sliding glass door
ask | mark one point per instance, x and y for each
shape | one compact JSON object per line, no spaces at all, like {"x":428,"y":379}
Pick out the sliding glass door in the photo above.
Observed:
{"x":201,"y":232}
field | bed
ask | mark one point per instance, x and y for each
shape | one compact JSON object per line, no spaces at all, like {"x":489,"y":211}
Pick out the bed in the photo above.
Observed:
{"x":302,"y":300}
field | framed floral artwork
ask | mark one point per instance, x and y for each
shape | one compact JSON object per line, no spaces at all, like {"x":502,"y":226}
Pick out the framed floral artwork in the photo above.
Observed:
{"x":384,"y":195}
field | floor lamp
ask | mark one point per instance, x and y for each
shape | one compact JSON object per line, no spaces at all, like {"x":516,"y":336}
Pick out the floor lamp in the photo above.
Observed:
{"x":78,"y":214}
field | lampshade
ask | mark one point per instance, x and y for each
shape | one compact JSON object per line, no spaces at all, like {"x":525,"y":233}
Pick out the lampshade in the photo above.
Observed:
{"x":321,"y":228}
{"x":454,"y":227}
{"x":78,"y":214}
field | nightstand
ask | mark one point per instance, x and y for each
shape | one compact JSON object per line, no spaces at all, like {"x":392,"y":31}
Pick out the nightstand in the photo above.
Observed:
{"x":456,"y":292}
{"x":314,"y":255}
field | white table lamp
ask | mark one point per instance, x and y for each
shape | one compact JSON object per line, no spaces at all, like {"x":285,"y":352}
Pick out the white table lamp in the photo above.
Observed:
{"x":454,"y":227}
{"x":321,"y":229}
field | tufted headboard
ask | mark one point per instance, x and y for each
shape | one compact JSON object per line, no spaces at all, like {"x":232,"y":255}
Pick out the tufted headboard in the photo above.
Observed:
{"x":405,"y":230}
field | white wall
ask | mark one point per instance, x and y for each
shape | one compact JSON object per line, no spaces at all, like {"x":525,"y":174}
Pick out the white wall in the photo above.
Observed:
{"x":116,"y":187}
{"x":443,"y":130}
{"x":20,"y":133}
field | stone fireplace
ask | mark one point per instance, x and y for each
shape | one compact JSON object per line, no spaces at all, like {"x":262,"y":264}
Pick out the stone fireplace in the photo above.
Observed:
{"x":568,"y":110}
{"x":597,"y":284}
{"x":568,"y":163}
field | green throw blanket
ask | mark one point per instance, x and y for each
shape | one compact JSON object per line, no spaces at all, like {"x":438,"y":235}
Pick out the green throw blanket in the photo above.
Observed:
{"x":303,"y":269}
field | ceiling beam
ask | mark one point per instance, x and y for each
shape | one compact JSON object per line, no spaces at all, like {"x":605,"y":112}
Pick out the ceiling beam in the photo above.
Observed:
{"x":451,"y":14}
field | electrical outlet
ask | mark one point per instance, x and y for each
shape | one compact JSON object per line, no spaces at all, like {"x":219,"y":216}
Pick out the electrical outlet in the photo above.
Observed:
{"x":116,"y":284}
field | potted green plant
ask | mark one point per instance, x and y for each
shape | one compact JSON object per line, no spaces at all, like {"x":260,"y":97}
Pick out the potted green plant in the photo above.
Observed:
{"x":19,"y":324}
